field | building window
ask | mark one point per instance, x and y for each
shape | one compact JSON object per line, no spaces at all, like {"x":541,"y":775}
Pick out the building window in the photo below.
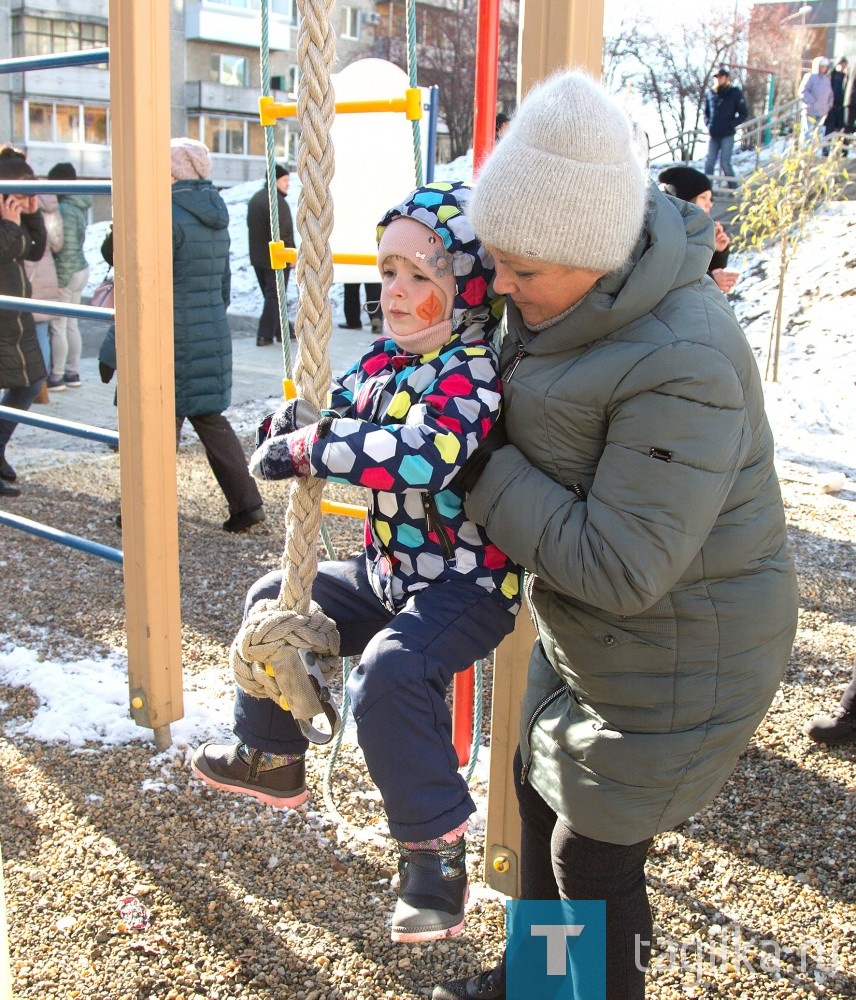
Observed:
{"x":351,"y":22}
{"x":67,"y":123}
{"x":73,"y":124}
{"x":276,"y":6}
{"x":292,"y":81}
{"x":232,"y":71}
{"x":225,"y":135}
{"x":39,"y":36}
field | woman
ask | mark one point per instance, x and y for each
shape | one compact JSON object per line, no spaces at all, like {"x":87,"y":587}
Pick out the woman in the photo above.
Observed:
{"x":638,"y":491}
{"x":201,"y":281}
{"x":22,"y":367}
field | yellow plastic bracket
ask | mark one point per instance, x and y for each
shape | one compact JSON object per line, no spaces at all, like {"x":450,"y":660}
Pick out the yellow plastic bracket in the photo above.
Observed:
{"x":281,"y":256}
{"x":411,"y":105}
{"x":289,"y":389}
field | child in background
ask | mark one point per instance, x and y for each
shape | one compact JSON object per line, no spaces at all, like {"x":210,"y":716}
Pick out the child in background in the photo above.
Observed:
{"x":432,"y":593}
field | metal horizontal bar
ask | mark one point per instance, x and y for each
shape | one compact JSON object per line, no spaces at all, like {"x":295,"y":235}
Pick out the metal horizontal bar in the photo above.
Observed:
{"x":71,"y":427}
{"x":53,"y":308}
{"x":55,"y":61}
{"x":55,"y":187}
{"x":63,"y":537}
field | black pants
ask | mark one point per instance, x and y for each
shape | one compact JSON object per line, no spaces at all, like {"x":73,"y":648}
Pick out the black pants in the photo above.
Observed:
{"x":556,"y":863}
{"x":269,"y":325}
{"x":352,"y":301}
{"x":19,"y":398}
{"x":848,"y":699}
{"x":226,"y":458}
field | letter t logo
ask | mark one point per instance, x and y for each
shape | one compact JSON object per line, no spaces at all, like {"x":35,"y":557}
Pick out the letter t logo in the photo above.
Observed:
{"x":556,"y":935}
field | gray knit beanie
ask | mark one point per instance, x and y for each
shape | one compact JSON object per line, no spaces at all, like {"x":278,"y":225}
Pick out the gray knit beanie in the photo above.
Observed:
{"x":564,"y":184}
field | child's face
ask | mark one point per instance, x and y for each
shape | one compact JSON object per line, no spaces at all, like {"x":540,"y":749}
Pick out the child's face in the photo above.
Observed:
{"x":410,"y":300}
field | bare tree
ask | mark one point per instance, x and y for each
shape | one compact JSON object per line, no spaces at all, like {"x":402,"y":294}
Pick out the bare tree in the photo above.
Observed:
{"x":672,"y":71}
{"x":446,"y":58}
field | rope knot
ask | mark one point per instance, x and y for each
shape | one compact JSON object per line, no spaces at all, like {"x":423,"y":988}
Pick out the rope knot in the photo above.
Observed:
{"x":266,"y":661}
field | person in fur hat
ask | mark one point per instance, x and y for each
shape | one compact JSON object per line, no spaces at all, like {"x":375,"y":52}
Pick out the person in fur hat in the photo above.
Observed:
{"x":201,"y":284}
{"x":432,"y":593}
{"x":638,"y":491}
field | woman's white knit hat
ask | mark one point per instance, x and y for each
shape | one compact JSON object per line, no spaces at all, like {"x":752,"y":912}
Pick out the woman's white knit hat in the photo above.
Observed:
{"x":564,"y":184}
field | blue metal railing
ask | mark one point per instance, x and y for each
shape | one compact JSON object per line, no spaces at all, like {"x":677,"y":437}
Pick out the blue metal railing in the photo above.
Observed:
{"x":86,"y":431}
{"x":55,"y":61}
{"x":51,"y":308}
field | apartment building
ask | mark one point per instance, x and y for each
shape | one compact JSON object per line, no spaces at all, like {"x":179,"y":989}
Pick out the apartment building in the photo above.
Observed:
{"x":215,"y":79}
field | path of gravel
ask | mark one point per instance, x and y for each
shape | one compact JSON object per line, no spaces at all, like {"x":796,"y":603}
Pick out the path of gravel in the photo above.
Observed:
{"x":246,"y":902}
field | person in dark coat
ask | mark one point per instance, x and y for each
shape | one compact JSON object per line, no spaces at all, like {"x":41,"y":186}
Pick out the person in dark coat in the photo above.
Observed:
{"x":850,"y":104}
{"x":838,"y":79}
{"x":259,"y":236}
{"x":203,"y":341}
{"x":22,"y":367}
{"x":724,"y":109}
{"x":693,"y":186}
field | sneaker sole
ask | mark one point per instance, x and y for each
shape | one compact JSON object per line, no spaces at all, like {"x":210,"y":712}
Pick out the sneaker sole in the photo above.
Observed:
{"x":57,"y":388}
{"x":269,"y":800}
{"x":414,"y":937}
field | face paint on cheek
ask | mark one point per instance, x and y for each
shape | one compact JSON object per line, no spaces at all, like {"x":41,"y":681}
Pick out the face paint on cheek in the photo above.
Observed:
{"x":431,"y":309}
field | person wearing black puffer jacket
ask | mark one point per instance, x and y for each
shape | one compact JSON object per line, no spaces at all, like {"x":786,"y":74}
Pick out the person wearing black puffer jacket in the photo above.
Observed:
{"x":22,"y":367}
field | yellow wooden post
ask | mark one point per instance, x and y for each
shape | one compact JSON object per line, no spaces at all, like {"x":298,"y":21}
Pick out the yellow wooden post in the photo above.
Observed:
{"x":142,"y":218}
{"x":5,"y":970}
{"x":554,"y":35}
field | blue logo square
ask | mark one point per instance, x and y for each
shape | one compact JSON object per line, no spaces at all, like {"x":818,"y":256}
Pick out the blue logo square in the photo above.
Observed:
{"x":555,"y":949}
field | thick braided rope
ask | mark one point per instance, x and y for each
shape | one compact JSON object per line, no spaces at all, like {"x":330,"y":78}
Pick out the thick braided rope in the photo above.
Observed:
{"x":273,"y":635}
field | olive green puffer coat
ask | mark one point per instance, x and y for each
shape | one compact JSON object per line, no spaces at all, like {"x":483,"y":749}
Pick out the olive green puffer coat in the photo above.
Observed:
{"x":640,"y":493}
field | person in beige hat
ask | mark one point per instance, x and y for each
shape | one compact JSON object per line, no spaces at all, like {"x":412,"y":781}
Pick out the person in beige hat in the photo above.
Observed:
{"x":639,"y":493}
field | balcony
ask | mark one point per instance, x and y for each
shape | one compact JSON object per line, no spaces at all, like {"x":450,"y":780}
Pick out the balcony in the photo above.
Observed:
{"x":238,"y":23}
{"x":202,"y":96}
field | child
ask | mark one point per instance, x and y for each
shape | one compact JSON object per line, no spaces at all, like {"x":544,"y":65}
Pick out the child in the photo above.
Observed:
{"x":432,"y":593}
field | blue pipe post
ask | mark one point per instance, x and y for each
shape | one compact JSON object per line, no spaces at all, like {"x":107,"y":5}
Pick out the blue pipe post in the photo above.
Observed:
{"x":62,"y":537}
{"x":433,"y":115}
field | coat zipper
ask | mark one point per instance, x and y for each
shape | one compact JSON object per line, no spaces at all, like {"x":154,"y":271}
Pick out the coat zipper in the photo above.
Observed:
{"x":524,"y":772}
{"x":511,"y":367}
{"x":579,"y":490}
{"x":435,"y":524}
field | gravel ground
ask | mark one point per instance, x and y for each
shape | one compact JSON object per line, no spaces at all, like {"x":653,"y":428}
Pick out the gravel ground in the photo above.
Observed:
{"x":753,"y":898}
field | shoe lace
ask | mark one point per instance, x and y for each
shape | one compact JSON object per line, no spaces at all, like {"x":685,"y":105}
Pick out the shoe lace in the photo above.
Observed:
{"x":484,"y":983}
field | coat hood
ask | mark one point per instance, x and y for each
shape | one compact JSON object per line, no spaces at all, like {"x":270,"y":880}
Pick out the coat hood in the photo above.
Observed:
{"x":81,"y":201}
{"x":441,"y":206}
{"x":201,"y":200}
{"x":674,"y":249}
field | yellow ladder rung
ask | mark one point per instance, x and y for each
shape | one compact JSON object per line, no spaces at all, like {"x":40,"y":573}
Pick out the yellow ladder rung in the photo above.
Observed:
{"x":411,"y":104}
{"x":345,"y":509}
{"x":281,"y":255}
